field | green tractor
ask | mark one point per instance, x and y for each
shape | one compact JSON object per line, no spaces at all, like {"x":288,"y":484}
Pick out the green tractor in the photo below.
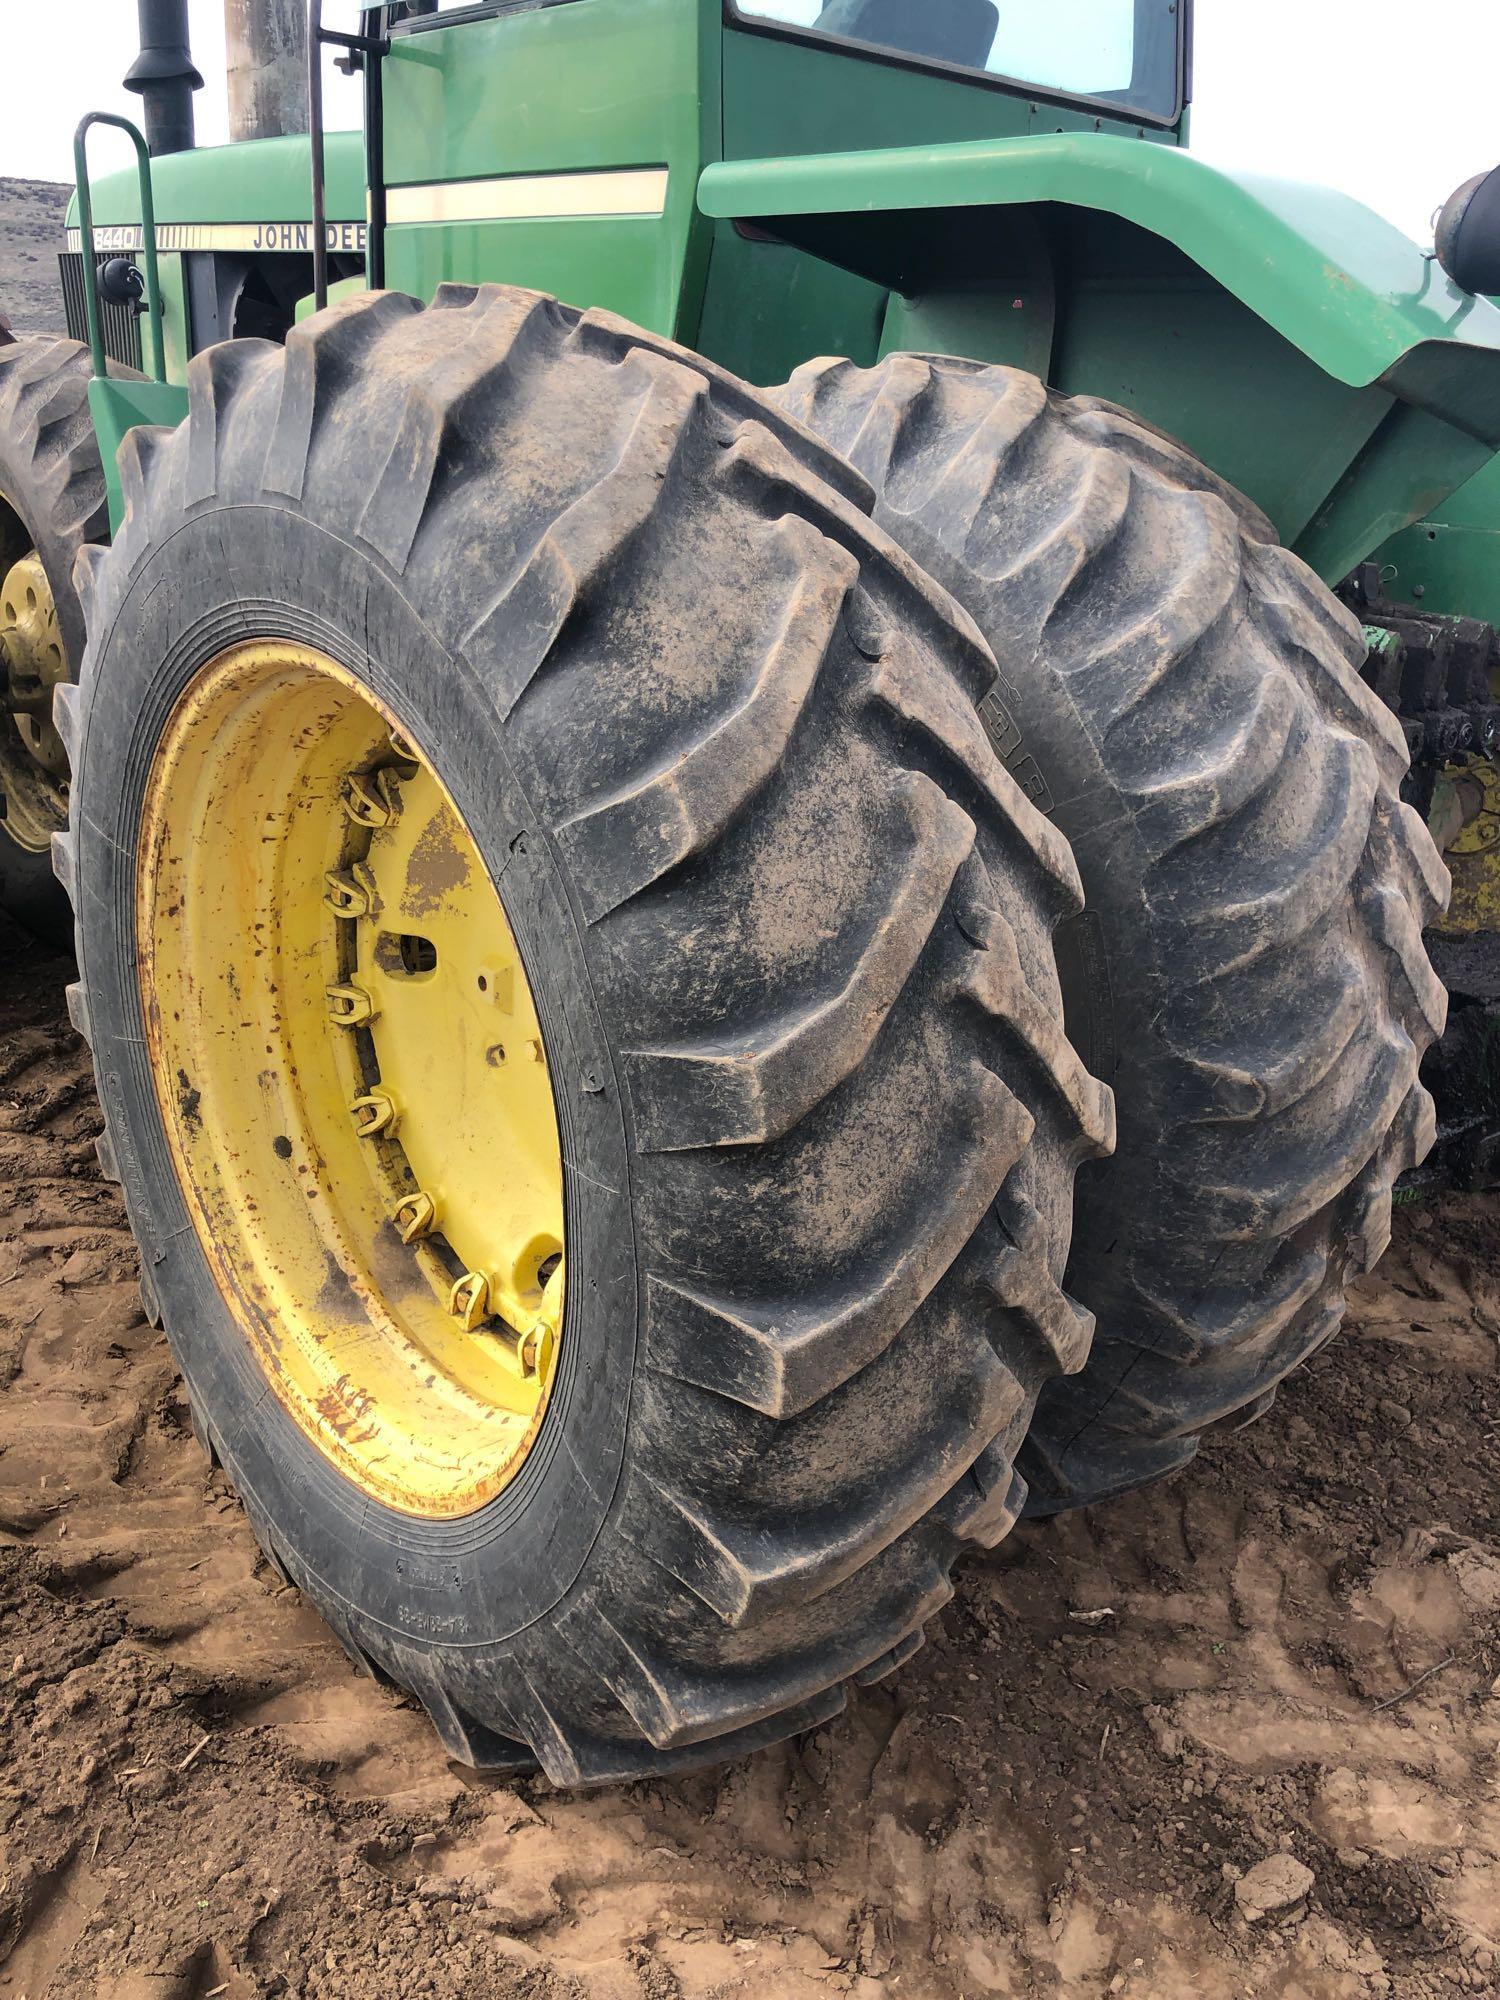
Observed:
{"x":704,"y":994}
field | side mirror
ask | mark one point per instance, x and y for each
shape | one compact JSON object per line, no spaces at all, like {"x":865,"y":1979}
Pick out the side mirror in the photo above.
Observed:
{"x":121,"y":283}
{"x":1468,"y":234}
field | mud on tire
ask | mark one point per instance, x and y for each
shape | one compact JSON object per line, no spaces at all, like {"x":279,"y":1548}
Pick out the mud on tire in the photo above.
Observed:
{"x":790,"y":928}
{"x":1182,"y":697}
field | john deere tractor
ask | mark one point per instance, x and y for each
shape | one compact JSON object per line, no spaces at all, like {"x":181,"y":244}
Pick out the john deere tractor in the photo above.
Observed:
{"x":703,"y":994}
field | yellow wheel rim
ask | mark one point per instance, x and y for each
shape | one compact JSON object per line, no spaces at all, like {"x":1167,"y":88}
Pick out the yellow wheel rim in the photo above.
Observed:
{"x":352,"y":1076}
{"x":1473,"y":855}
{"x":33,"y":763}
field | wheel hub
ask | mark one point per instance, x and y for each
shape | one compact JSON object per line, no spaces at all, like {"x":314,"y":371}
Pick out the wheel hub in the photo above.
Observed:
{"x":33,"y":762}
{"x":351,"y":1069}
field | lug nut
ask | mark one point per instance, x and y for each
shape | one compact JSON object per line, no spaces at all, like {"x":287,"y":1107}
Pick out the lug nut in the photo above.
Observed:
{"x":376,"y":1111}
{"x":469,"y":1301}
{"x":351,"y":892}
{"x":536,"y":1349}
{"x":372,"y":798}
{"x":350,"y":1006}
{"x":415,"y":1216}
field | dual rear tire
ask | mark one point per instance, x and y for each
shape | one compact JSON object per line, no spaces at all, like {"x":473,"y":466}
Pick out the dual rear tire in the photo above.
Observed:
{"x":790,"y":930}
{"x":1182,"y":697}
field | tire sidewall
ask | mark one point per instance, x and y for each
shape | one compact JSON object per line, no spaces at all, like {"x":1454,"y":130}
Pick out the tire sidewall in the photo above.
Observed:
{"x":229,"y":574}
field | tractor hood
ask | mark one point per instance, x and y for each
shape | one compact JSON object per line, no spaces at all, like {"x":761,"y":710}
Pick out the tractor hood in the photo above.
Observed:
{"x":1346,"y":287}
{"x":251,"y":197}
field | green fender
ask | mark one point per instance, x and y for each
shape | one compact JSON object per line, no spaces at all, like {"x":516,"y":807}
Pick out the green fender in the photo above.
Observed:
{"x":1410,"y":364}
{"x":1343,"y":285}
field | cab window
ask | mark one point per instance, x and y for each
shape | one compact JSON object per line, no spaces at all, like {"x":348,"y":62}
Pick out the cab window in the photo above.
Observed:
{"x":1123,"y":52}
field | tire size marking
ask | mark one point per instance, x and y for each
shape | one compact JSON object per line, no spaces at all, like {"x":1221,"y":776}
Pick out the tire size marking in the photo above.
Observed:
{"x":453,"y":1627}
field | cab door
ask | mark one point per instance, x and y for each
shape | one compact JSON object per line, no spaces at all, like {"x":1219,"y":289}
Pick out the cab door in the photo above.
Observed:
{"x":547,"y":143}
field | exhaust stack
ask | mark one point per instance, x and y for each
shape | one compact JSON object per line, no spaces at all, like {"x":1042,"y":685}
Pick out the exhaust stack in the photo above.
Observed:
{"x":164,"y":75}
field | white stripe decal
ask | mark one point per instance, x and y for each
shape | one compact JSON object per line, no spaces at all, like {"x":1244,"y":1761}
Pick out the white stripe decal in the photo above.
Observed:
{"x":253,"y":236}
{"x":512,"y":198}
{"x":531,"y":197}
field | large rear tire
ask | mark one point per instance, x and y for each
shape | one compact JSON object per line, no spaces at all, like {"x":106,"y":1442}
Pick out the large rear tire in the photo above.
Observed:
{"x":1182,"y":697}
{"x":788,"y":931}
{"x":52,"y":503}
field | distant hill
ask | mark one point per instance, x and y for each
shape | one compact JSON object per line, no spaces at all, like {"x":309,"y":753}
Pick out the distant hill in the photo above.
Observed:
{"x":32,"y":217}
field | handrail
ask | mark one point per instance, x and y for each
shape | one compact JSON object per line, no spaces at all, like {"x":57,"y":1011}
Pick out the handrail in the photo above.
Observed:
{"x":317,"y":148}
{"x":372,"y":48}
{"x":86,"y":239}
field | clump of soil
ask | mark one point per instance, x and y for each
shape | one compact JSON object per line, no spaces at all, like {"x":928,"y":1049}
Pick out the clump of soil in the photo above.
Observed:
{"x":1234,"y":1736}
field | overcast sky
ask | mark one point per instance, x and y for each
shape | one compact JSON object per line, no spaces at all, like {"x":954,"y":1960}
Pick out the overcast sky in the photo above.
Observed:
{"x":1392,"y":101}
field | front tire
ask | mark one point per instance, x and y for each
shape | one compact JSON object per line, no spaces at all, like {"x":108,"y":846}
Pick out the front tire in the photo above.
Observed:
{"x":789,"y":936}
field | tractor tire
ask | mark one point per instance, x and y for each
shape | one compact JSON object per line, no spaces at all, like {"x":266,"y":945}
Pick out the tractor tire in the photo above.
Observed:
{"x":1182,"y":697}
{"x":789,"y":929}
{"x":52,"y":502}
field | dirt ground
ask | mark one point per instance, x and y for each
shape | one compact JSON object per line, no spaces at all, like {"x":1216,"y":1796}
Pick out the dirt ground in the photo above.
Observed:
{"x":1292,"y":1651}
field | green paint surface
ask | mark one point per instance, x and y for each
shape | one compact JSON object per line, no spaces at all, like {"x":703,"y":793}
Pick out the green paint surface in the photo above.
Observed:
{"x":261,"y":180}
{"x":1344,"y":286}
{"x":118,"y":407}
{"x":591,"y":87}
{"x":1451,"y":561}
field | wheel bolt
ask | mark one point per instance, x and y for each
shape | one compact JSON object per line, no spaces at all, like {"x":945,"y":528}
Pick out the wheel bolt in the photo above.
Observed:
{"x":351,"y":892}
{"x":469,"y":1301}
{"x":350,"y":1006}
{"x":376,"y":1111}
{"x":372,"y":798}
{"x":415,"y":1217}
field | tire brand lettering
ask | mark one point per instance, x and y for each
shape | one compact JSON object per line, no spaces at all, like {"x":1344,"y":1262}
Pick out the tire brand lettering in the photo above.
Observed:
{"x":1027,"y":773}
{"x":1005,"y":737}
{"x":428,"y":1575}
{"x":999,"y":726}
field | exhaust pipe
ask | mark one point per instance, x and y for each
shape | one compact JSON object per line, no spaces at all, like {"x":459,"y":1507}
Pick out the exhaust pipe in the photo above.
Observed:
{"x":164,"y":75}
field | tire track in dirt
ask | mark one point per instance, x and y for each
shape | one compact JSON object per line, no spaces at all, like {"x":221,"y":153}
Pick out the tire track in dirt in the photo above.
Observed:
{"x":1120,"y":1713}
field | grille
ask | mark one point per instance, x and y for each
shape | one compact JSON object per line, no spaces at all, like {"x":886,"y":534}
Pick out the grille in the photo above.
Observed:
{"x":120,"y":326}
